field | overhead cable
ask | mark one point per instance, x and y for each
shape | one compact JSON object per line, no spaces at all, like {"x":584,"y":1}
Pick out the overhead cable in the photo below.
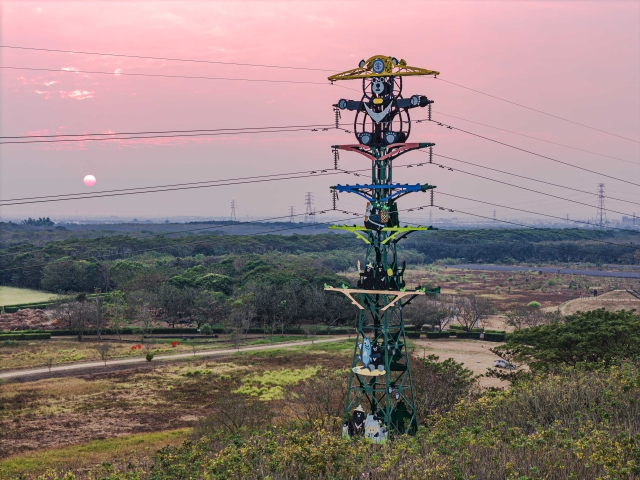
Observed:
{"x":536,"y":110}
{"x":537,"y":154}
{"x":529,"y":136}
{"x":172,"y":59}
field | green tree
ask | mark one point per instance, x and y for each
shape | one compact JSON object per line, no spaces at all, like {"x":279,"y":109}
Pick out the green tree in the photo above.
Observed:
{"x":597,"y":338}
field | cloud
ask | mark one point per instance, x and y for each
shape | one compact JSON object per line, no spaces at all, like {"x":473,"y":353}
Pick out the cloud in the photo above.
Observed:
{"x":76,"y":94}
{"x":118,"y":71}
{"x":49,"y":83}
{"x":69,"y":69}
{"x":44,"y":94}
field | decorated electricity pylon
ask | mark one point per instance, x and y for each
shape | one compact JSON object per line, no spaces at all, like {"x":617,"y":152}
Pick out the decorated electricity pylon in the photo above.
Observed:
{"x":380,"y":398}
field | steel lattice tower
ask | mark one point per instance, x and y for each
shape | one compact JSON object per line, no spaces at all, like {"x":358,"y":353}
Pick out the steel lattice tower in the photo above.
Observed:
{"x":601,"y":213}
{"x":233,"y":211}
{"x":380,"y":383}
{"x":309,"y":214}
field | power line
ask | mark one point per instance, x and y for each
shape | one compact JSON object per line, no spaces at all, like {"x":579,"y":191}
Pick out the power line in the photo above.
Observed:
{"x":160,"y":75}
{"x":539,"y":111}
{"x":166,"y":185}
{"x":333,"y":172}
{"x":535,"y":213}
{"x":163,"y":132}
{"x":102,"y":139}
{"x":532,"y":137}
{"x":527,"y":178}
{"x":518,"y":186}
{"x":537,"y":154}
{"x":536,"y":228}
{"x":172,"y":59}
{"x":290,"y":68}
{"x":539,"y":245}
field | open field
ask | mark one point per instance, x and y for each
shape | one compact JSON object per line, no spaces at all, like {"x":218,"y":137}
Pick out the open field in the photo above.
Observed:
{"x":507,"y":289}
{"x":86,"y":455}
{"x":474,"y":354}
{"x":64,"y":350}
{"x":13,"y":296}
{"x":54,"y":412}
{"x":610,"y":301}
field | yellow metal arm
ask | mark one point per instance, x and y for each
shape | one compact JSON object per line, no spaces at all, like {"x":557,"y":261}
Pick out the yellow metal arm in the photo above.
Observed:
{"x":392,"y":68}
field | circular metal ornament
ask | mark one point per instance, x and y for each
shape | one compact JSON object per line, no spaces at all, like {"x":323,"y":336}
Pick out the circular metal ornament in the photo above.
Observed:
{"x":377,"y":66}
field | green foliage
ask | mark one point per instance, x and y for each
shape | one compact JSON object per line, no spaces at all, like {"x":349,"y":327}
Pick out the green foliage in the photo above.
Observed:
{"x":215,"y":282}
{"x":25,"y":336}
{"x":443,"y":334}
{"x":206,"y":329}
{"x":269,"y":385}
{"x":533,"y":304}
{"x":123,"y":271}
{"x":597,"y":338}
{"x":149,"y":356}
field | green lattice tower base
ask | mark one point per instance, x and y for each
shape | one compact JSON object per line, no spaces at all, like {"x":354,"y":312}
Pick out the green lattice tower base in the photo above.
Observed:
{"x":389,"y":397}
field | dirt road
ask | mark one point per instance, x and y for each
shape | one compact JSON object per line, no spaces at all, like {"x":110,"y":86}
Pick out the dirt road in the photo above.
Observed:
{"x":204,"y":353}
{"x":474,"y":354}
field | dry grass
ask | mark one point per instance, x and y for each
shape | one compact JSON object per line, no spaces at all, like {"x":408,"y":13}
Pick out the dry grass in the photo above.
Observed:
{"x":611,"y":301}
{"x":86,"y":455}
{"x":22,"y":354}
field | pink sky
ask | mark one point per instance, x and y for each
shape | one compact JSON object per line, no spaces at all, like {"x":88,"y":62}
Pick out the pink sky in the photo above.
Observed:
{"x":579,"y":60}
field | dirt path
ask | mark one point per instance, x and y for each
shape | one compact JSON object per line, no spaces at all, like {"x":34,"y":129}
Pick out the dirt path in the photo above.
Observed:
{"x":610,"y":301}
{"x":474,"y":354}
{"x":205,"y":353}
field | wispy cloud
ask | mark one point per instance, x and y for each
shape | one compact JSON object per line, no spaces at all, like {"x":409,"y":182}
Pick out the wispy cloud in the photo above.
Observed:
{"x":76,"y":94}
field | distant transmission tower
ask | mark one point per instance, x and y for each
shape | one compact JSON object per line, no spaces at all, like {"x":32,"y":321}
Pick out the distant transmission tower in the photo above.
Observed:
{"x":233,"y":211}
{"x":494,"y":214}
{"x":310,"y":213}
{"x":291,"y":214}
{"x":601,"y":213}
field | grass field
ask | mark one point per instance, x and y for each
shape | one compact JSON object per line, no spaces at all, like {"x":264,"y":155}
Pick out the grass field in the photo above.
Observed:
{"x":22,"y":354}
{"x":13,"y":296}
{"x":91,"y":453}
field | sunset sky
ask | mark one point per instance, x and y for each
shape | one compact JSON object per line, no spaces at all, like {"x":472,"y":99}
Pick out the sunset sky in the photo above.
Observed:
{"x":577,"y":60}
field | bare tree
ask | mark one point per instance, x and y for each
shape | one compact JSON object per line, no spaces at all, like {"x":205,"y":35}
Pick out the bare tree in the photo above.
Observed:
{"x":472,"y":310}
{"x":269,"y":303}
{"x":140,"y":305}
{"x":80,"y":316}
{"x":525,"y":316}
{"x":177,"y":304}
{"x":98,"y":314}
{"x":103,"y":349}
{"x":434,"y":311}
{"x":242,"y":312}
{"x":335,"y":309}
{"x":116,"y":309}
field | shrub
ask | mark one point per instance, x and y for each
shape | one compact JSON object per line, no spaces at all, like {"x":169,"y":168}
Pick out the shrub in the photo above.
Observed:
{"x":11,"y":309}
{"x":533,"y":304}
{"x":149,"y":356}
{"x":494,"y":337}
{"x":413,"y":334}
{"x":467,"y":334}
{"x":597,"y":339}
{"x":206,"y":329}
{"x":438,"y":334}
{"x":25,"y":336}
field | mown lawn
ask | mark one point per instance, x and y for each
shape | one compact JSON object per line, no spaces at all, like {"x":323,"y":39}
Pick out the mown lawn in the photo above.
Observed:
{"x":13,"y":296}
